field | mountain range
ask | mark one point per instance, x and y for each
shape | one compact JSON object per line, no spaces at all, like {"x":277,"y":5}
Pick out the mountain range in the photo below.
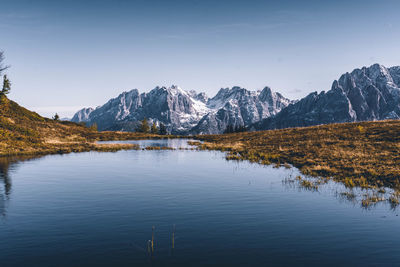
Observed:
{"x":185,"y":112}
{"x":369,"y":93}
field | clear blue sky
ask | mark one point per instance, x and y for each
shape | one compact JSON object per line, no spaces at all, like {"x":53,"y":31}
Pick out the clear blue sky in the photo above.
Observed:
{"x":69,"y":54}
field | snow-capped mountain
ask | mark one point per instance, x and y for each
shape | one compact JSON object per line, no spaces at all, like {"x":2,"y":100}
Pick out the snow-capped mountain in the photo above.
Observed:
{"x":369,"y":93}
{"x":238,"y":106}
{"x":184,"y":112}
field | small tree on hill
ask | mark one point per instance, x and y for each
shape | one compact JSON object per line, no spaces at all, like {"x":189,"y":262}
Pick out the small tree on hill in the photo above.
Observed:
{"x":2,"y":66}
{"x":6,"y":82}
{"x":6,"y":86}
{"x":144,"y":126}
{"x":154,"y":129}
{"x":163,"y":129}
{"x":56,"y":117}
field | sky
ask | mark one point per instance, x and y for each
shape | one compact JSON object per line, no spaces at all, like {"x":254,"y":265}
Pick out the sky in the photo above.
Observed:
{"x":65,"y":55}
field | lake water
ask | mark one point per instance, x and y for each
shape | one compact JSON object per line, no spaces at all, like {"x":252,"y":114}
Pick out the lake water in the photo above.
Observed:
{"x":98,"y":209}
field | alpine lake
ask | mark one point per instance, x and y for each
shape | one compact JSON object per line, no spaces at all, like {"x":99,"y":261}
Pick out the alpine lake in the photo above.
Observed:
{"x":182,"y":208}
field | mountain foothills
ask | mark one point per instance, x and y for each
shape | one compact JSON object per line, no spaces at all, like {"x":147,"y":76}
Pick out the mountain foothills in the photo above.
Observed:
{"x":369,"y":93}
{"x":185,"y":112}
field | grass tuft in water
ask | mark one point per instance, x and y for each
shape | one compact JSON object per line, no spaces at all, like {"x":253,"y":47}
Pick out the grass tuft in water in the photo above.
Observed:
{"x":158,"y":148}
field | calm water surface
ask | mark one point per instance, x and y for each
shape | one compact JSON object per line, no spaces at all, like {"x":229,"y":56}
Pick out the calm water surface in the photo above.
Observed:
{"x":98,"y":209}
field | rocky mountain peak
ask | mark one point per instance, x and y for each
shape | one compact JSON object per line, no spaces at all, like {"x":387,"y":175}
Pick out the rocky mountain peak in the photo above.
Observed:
{"x":369,"y":93}
{"x":82,"y":115}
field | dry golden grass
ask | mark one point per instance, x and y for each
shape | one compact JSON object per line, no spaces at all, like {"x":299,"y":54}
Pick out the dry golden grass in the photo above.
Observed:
{"x":365,"y":154}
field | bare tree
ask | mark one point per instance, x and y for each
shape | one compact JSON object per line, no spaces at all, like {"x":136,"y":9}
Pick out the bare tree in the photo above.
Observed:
{"x":2,"y":66}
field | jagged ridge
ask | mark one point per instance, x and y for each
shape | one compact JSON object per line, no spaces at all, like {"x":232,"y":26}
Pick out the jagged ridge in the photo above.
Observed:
{"x":185,"y":112}
{"x":366,"y":94}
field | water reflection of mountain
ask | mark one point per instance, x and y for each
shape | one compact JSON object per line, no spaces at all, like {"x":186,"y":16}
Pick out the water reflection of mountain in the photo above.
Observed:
{"x":7,"y":164}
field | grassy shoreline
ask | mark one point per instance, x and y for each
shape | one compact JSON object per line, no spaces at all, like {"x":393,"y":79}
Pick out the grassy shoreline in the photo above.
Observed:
{"x":23,"y":132}
{"x":66,"y":144}
{"x":68,"y":148}
{"x":365,"y":154}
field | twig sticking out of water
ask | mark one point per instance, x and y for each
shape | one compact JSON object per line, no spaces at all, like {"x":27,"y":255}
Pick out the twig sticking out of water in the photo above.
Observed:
{"x":173,"y":237}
